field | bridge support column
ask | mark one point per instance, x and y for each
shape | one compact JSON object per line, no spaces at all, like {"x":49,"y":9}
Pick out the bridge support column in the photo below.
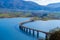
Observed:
{"x":26,"y":30}
{"x":33,"y":32}
{"x":29,"y":31}
{"x":37,"y":34}
{"x":46,"y":38}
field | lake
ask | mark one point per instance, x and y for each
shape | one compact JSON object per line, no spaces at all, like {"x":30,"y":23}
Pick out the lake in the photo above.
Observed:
{"x":9,"y":28}
{"x":44,"y":25}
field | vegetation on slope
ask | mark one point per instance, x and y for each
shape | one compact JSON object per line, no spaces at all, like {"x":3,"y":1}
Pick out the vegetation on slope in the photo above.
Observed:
{"x":37,"y":16}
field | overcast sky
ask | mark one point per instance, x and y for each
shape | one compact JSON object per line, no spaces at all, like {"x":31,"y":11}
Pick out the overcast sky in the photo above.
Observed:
{"x":44,"y":2}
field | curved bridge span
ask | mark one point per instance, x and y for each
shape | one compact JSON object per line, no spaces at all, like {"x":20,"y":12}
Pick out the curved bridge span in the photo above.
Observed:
{"x":28,"y":30}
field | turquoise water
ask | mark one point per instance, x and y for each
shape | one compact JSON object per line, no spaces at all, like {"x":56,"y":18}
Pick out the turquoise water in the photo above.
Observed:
{"x":9,"y":29}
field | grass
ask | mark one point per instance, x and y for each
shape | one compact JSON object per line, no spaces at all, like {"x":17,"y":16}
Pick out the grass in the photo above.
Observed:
{"x":10,"y":15}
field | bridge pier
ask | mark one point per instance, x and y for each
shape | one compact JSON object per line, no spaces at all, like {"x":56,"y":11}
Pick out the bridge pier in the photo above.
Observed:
{"x":46,"y":37}
{"x":26,"y":30}
{"x":29,"y":31}
{"x":33,"y":32}
{"x":37,"y":34}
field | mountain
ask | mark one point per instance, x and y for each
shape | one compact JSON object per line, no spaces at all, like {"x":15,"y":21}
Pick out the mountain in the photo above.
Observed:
{"x":20,"y":4}
{"x":54,"y":6}
{"x":27,"y":5}
{"x":10,"y":4}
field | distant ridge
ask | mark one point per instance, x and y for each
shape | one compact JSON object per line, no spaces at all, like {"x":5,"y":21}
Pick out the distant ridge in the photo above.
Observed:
{"x":27,"y":5}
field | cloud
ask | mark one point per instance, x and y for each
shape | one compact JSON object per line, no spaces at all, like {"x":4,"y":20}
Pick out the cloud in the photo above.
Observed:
{"x":44,"y":2}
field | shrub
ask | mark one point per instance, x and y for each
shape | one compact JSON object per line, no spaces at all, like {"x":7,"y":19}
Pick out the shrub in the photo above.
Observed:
{"x":55,"y":36}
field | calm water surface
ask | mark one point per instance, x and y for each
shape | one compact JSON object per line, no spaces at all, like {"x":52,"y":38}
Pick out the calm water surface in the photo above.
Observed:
{"x":44,"y":25}
{"x":9,"y":29}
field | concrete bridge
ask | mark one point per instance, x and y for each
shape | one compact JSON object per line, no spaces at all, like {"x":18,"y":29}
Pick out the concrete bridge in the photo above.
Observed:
{"x":29,"y":30}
